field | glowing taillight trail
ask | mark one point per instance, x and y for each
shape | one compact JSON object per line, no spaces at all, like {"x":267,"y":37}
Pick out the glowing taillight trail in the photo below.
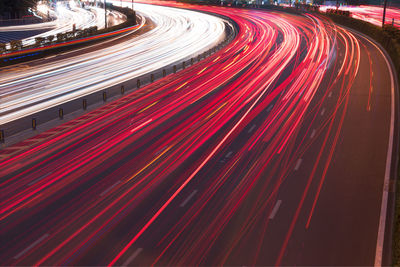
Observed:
{"x":233,"y":127}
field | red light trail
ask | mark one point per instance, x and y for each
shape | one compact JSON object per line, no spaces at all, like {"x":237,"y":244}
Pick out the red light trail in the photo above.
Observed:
{"x":224,"y":135}
{"x":371,"y":14}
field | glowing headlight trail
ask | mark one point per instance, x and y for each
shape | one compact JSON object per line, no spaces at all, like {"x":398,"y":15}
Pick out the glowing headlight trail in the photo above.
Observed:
{"x":66,"y":18}
{"x":188,"y":170}
{"x":178,"y":34}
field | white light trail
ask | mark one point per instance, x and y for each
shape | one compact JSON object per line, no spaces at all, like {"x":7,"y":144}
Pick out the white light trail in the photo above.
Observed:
{"x":178,"y":34}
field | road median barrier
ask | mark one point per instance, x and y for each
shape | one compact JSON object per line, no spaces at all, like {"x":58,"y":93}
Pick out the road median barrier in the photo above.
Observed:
{"x":44,"y":46}
{"x":17,"y":130}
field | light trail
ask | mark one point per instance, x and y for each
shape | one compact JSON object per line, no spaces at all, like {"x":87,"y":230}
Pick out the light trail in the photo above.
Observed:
{"x":371,"y":14}
{"x":178,"y":34}
{"x":65,"y":19}
{"x":108,"y":187}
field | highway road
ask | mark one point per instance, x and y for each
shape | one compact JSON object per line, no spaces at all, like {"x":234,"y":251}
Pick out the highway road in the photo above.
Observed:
{"x":273,"y":151}
{"x":177,"y":34}
{"x":66,"y":17}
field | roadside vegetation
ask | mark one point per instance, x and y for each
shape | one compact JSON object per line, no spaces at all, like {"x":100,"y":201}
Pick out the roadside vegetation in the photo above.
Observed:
{"x":388,"y":37}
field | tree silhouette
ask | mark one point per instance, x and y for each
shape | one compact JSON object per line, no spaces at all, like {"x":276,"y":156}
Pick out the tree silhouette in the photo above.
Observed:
{"x":15,"y":9}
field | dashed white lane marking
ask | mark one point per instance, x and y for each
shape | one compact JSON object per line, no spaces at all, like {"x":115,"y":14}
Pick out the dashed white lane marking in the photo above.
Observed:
{"x":40,"y":178}
{"x":132,"y":257}
{"x":385,"y":194}
{"x":269,"y":108}
{"x":275,"y":209}
{"x":188,"y":198}
{"x":99,"y":144}
{"x":330,"y":94}
{"x":162,"y":149}
{"x":323,"y":112}
{"x":226,"y":157}
{"x":313,"y":133}
{"x":252,"y":128}
{"x":298,"y":163}
{"x":109,"y":189}
{"x":31,"y":246}
{"x":194,"y":125}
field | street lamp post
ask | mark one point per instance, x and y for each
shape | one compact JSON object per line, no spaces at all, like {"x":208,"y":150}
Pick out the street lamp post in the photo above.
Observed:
{"x":105,"y":14}
{"x":384,"y":13}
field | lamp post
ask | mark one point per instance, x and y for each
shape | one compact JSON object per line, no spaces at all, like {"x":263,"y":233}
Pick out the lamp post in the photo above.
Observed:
{"x":384,"y":13}
{"x":105,"y":14}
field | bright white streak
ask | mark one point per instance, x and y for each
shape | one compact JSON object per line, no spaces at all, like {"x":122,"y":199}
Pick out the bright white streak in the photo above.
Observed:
{"x":178,"y":34}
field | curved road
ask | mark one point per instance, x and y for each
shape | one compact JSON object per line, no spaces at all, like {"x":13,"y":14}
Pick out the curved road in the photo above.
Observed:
{"x":65,"y":18}
{"x":178,"y":34}
{"x":272,"y":151}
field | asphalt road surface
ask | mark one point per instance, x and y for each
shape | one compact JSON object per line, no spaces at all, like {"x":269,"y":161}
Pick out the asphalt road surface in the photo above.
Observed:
{"x":177,"y":34}
{"x":272,"y":151}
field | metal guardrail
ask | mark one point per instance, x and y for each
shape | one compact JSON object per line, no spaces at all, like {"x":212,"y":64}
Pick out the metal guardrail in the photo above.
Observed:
{"x":36,"y":120}
{"x":68,"y":38}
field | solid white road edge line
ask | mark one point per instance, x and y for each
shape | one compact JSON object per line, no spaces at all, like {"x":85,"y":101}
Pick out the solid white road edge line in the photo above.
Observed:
{"x":384,"y":204}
